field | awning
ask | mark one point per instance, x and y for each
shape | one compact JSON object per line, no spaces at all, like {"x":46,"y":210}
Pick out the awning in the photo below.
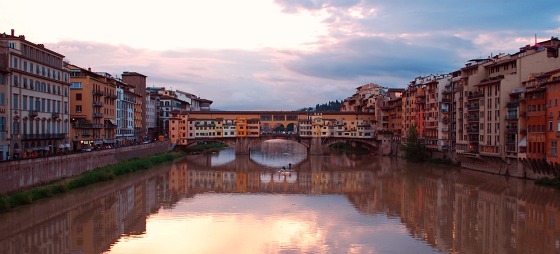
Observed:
{"x":113,"y":122}
{"x":61,"y":146}
{"x":523,"y":142}
{"x":109,"y":141}
{"x":67,"y":145}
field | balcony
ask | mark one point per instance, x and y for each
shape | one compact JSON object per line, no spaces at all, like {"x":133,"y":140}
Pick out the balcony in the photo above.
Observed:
{"x":512,"y":117}
{"x":474,"y":107}
{"x":109,"y":126}
{"x":33,"y":113}
{"x":87,"y":126}
{"x":97,"y":92}
{"x":474,"y":118}
{"x":55,"y":115}
{"x":511,"y":129}
{"x":475,"y":95}
{"x":97,"y":115}
{"x":98,"y":104}
{"x":110,"y":95}
{"x":43,"y":136}
{"x":473,"y":130}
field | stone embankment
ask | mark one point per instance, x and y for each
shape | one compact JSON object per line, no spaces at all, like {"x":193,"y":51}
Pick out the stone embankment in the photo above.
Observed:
{"x":21,"y":174}
{"x":521,"y":168}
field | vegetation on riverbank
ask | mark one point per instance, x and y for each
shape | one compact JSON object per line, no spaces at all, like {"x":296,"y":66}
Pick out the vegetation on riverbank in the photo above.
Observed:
{"x":205,"y":147}
{"x":349,"y":148}
{"x":552,"y":182}
{"x":106,"y":173}
{"x":414,"y":150}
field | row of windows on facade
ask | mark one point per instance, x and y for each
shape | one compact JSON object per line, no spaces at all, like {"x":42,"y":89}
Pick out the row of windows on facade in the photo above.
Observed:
{"x":39,"y":127}
{"x":38,"y":55}
{"x":35,"y":85}
{"x":36,"y":104}
{"x":78,"y":97}
{"x":39,"y":70}
{"x":539,"y":107}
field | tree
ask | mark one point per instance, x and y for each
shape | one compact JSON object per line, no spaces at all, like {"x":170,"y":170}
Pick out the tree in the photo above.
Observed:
{"x":414,"y":150}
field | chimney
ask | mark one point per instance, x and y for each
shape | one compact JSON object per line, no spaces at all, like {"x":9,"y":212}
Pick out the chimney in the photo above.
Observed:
{"x":89,"y":68}
{"x":13,"y":32}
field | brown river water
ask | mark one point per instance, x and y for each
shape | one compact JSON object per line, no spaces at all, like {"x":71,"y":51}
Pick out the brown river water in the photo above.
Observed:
{"x":279,"y":200}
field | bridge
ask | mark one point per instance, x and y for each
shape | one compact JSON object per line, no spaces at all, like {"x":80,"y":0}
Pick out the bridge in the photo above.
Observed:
{"x":245,"y":129}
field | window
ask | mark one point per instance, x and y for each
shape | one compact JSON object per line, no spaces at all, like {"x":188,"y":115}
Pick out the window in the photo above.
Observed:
{"x":78,"y":96}
{"x":15,"y":128}
{"x":76,"y":85}
{"x":78,"y":108}
{"x":24,"y":103}
{"x":15,"y":101}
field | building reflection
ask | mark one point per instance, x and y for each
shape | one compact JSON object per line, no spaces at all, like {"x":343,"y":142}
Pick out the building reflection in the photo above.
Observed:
{"x":453,"y":211}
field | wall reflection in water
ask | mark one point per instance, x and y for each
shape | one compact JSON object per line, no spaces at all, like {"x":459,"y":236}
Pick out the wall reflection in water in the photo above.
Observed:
{"x":447,"y":209}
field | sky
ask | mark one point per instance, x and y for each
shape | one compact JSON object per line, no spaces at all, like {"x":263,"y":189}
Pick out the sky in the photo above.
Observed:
{"x":279,"y":54}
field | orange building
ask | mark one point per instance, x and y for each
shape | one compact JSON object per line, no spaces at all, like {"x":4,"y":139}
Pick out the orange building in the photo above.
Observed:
{"x":93,"y":108}
{"x":536,"y":121}
{"x":552,"y":82}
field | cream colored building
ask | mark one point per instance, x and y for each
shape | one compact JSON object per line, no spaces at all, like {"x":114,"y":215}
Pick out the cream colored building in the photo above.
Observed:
{"x":37,"y":116}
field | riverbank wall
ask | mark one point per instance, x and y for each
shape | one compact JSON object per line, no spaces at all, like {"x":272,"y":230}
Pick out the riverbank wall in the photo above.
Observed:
{"x":522,"y":168}
{"x":22,"y":174}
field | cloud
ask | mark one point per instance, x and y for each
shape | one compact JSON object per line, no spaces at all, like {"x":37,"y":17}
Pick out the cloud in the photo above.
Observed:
{"x":378,"y":57}
{"x":312,"y":51}
{"x":233,"y":79}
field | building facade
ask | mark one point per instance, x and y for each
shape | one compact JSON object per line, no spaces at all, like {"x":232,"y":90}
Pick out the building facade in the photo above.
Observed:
{"x":93,"y":108}
{"x":37,"y":99}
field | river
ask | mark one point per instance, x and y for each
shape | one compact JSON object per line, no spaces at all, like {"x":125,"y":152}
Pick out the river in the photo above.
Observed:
{"x":279,"y":200}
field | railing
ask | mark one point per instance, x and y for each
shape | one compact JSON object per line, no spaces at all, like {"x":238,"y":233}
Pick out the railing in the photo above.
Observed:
{"x":97,"y":115}
{"x":511,"y":130}
{"x":512,"y":117}
{"x":473,"y":130}
{"x":33,"y":113}
{"x":98,"y":104}
{"x":473,"y":107}
{"x":55,"y":115}
{"x":43,"y":136}
{"x":475,"y":95}
{"x":473,"y":118}
{"x":87,"y":126}
{"x":97,"y":92}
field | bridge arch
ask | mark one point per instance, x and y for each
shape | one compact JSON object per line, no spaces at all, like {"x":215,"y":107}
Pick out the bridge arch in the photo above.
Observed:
{"x":372,"y":145}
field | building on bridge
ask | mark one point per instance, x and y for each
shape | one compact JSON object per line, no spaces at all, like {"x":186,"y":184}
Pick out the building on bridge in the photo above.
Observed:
{"x":187,"y":127}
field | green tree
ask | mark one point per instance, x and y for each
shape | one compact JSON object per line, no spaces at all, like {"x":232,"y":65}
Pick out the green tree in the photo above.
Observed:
{"x":414,"y":150}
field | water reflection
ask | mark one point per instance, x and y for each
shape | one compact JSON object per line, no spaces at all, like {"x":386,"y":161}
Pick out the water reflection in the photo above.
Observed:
{"x":328,"y":204}
{"x":278,"y":153}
